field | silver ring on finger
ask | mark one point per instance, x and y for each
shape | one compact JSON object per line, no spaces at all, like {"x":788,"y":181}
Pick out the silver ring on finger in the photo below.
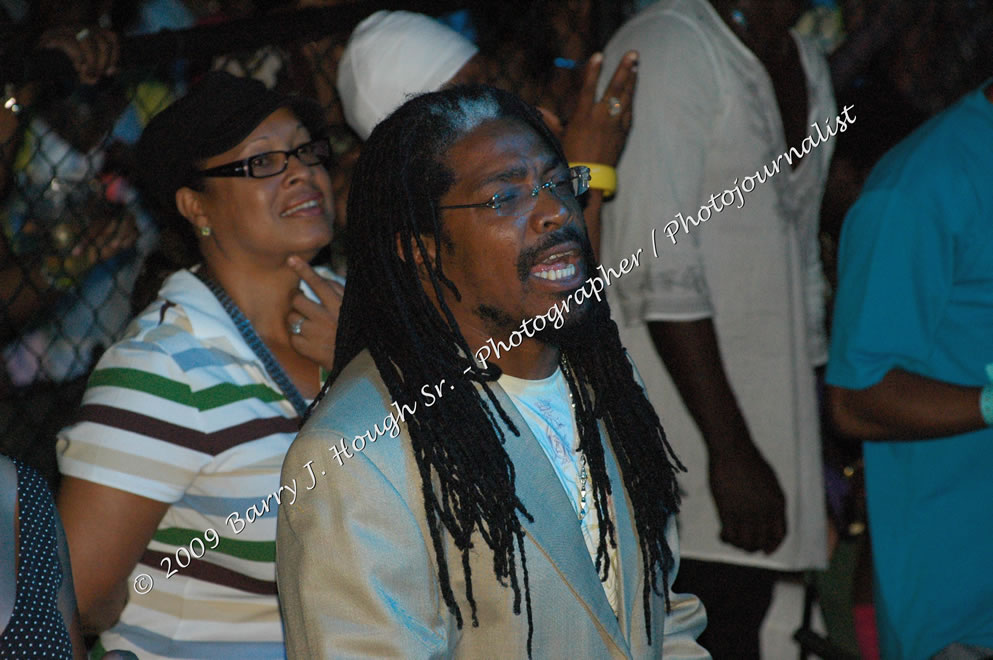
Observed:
{"x":297,"y":326}
{"x":82,"y":34}
{"x":614,"y":106}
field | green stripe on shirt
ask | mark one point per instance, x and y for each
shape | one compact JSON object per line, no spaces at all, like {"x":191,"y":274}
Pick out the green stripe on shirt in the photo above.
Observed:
{"x":213,"y":397}
{"x":250,"y":550}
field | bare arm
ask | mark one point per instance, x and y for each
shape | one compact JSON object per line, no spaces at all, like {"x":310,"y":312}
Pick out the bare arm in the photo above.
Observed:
{"x":67,"y":595}
{"x":746,"y":492}
{"x":594,"y":135}
{"x":906,"y":406}
{"x":108,"y":530}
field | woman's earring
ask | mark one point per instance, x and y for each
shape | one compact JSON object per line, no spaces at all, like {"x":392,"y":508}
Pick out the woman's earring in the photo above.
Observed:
{"x":205,"y":231}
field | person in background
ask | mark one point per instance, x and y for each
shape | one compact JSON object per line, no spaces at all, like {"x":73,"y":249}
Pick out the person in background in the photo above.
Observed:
{"x":73,"y":233}
{"x":171,"y":471}
{"x":391,"y":55}
{"x":910,"y":374}
{"x":38,"y":615}
{"x":727,"y":323}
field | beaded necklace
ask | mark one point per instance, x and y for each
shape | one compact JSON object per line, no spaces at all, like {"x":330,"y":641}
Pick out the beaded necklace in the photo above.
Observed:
{"x":583,"y":474}
{"x":582,"y":489}
{"x":255,"y":343}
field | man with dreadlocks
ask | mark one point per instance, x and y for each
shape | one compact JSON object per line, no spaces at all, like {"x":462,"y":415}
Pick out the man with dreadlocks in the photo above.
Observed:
{"x":483,"y":476}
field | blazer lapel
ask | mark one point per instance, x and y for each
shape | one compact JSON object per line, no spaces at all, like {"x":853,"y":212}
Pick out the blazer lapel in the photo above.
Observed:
{"x":557,"y":535}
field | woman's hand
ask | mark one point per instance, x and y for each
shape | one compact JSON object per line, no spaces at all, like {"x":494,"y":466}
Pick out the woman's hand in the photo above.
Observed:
{"x":597,"y":130}
{"x":317,"y":322}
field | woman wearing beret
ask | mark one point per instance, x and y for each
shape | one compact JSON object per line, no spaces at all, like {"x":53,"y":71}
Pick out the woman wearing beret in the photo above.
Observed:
{"x":171,"y":471}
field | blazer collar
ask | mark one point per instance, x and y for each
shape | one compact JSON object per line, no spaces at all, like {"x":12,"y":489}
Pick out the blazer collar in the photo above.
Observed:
{"x":559,"y":536}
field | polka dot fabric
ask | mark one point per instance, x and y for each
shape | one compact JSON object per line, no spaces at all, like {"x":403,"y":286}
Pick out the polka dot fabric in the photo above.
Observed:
{"x":36,"y":628}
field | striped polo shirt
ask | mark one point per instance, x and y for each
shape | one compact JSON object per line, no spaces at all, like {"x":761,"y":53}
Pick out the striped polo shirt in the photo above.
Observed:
{"x":182,"y":411}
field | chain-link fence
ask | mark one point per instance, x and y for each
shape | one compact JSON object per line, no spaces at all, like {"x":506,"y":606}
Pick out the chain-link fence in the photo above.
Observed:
{"x":75,"y":231}
{"x":76,"y":236}
{"x":77,"y":242}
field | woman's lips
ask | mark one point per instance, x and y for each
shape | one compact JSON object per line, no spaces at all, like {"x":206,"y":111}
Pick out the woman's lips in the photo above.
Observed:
{"x":310,"y":206}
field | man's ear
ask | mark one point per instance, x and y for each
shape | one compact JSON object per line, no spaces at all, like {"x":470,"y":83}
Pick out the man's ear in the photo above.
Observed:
{"x":429,"y":246}
{"x":190,"y":206}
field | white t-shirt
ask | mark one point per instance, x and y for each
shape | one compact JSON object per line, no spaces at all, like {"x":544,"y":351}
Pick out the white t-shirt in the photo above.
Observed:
{"x":546,"y":406}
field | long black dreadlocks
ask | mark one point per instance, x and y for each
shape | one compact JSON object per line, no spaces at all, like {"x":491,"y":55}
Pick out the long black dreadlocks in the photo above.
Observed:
{"x":468,"y":479}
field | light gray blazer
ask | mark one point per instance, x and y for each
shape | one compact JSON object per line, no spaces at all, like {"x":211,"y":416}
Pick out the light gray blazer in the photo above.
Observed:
{"x":356,"y":566}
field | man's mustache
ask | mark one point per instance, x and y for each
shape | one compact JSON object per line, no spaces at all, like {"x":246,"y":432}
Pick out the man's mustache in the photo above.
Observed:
{"x":529,"y":258}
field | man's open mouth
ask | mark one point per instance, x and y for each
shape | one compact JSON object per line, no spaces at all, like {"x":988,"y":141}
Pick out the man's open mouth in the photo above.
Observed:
{"x":562,"y":263}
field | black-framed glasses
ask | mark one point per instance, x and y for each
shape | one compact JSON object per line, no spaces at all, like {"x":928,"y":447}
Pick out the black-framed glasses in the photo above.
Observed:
{"x":516,"y":200}
{"x":271,"y":163}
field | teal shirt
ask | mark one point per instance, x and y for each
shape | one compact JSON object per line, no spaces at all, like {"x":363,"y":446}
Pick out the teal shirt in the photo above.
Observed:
{"x":915,"y":292}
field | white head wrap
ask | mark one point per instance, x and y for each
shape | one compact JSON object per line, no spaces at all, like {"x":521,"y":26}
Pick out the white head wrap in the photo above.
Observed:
{"x":391,"y":56}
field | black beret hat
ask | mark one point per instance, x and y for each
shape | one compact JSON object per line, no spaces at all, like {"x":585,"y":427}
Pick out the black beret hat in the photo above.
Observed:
{"x":217,"y":113}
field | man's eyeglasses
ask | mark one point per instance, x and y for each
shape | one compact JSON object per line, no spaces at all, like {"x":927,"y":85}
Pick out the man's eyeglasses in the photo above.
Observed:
{"x":521,"y":199}
{"x":271,"y":163}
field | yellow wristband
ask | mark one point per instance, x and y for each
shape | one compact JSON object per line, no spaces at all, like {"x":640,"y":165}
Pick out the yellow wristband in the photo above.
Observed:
{"x":602,"y":177}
